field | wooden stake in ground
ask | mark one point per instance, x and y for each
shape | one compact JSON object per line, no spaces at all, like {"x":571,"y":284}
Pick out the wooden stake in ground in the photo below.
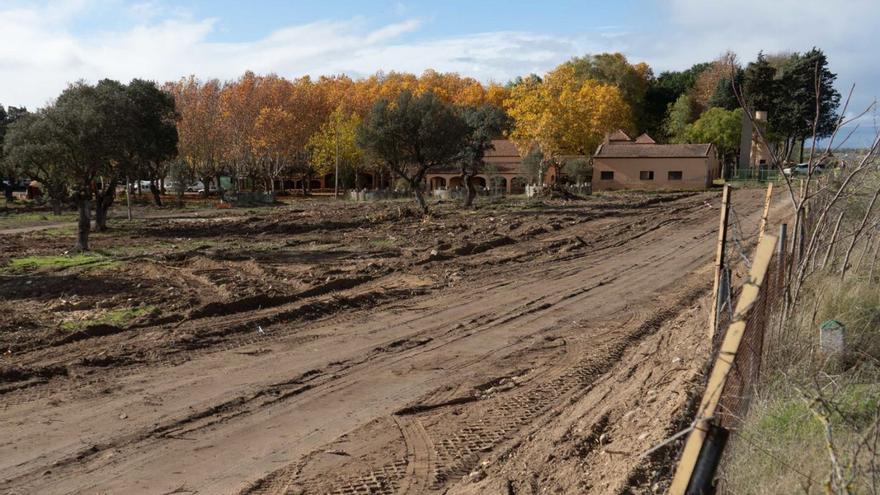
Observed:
{"x":723,"y":365}
{"x":719,"y":260}
{"x":766,"y":213}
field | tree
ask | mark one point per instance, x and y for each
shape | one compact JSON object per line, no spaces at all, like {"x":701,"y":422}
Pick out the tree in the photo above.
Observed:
{"x":412,"y":135}
{"x":614,"y":69}
{"x":662,"y":92}
{"x":270,"y":142}
{"x":31,"y":150}
{"x":118,"y":144}
{"x":88,"y":138}
{"x":202,"y":137}
{"x":154,"y":139}
{"x":83,"y":124}
{"x":181,"y":175}
{"x":796,"y":112}
{"x":759,"y":84}
{"x":240,"y":103}
{"x":578,"y":169}
{"x":564,"y":114}
{"x":532,"y":165}
{"x":485,"y":123}
{"x":725,"y":94}
{"x":720,"y":127}
{"x":7,"y":118}
{"x":338,"y":138}
{"x":680,"y":114}
{"x":707,"y":82}
{"x":786,"y":87}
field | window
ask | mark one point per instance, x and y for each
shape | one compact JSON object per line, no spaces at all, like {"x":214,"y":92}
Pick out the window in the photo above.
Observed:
{"x":646,"y":175}
{"x":606,"y":175}
{"x":674,"y":175}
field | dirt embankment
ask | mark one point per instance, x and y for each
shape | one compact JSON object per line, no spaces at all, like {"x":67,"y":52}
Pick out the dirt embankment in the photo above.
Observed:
{"x":516,"y":348}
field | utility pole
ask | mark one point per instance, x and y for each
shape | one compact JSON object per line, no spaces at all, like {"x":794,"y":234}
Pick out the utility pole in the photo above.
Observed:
{"x":336,"y":175}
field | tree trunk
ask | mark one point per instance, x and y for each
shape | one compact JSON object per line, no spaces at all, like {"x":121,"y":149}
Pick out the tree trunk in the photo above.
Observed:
{"x":470,"y":191}
{"x":84,"y":224}
{"x":56,"y":197}
{"x":415,"y":184}
{"x":421,"y":199}
{"x":206,"y":182}
{"x":219,"y":188}
{"x":157,"y":193}
{"x":103,"y":202}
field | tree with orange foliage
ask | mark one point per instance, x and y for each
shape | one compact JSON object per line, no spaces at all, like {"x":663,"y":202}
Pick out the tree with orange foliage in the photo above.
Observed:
{"x":199,"y":127}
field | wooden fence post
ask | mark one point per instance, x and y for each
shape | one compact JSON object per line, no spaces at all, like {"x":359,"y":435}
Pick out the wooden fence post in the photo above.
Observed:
{"x":719,"y":260}
{"x":766,"y":212}
{"x":722,"y":368}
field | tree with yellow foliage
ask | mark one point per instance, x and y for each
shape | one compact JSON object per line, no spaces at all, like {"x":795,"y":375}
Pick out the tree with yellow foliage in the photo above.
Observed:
{"x":564,"y":114}
{"x":338,"y":136}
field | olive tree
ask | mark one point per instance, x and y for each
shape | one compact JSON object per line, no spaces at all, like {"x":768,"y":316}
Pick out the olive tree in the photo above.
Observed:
{"x":484,"y":123}
{"x":413,"y":135}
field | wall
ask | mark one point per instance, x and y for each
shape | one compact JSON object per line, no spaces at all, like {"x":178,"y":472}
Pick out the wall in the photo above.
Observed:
{"x":697,"y":173}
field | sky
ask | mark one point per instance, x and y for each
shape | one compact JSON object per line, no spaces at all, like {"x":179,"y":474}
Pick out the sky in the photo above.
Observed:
{"x":44,"y":45}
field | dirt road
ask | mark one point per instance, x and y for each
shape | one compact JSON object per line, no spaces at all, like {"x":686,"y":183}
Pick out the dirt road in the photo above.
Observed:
{"x":549,"y":360}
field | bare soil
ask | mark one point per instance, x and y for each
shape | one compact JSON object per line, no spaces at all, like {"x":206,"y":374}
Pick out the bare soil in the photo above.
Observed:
{"x":522,"y":347}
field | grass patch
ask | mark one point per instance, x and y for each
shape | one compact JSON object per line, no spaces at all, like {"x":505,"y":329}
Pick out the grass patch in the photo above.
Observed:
{"x":59,"y":262}
{"x":781,"y":448}
{"x":33,"y":217}
{"x":66,"y":231}
{"x":117,"y":317}
{"x":384,"y":243}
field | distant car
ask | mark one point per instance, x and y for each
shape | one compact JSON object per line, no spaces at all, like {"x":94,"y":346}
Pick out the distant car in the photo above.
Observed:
{"x":803,"y":169}
{"x":197,"y":187}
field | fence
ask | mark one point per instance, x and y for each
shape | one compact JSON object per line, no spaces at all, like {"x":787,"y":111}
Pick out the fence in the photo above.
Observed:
{"x":738,"y":345}
{"x":584,"y":189}
{"x":751,"y":174}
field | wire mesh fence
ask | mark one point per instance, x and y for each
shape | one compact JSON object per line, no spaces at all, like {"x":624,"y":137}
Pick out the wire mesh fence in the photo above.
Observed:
{"x":745,"y":374}
{"x":755,"y":175}
{"x":738,"y":344}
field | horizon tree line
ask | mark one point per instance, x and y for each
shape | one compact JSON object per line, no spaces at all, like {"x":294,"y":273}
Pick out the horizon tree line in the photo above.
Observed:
{"x":260,"y":129}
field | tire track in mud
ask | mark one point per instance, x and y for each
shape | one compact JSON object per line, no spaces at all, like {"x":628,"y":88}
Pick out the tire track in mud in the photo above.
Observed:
{"x":239,"y":332}
{"x":457,"y":446}
{"x":208,"y":336}
{"x":480,"y":425}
